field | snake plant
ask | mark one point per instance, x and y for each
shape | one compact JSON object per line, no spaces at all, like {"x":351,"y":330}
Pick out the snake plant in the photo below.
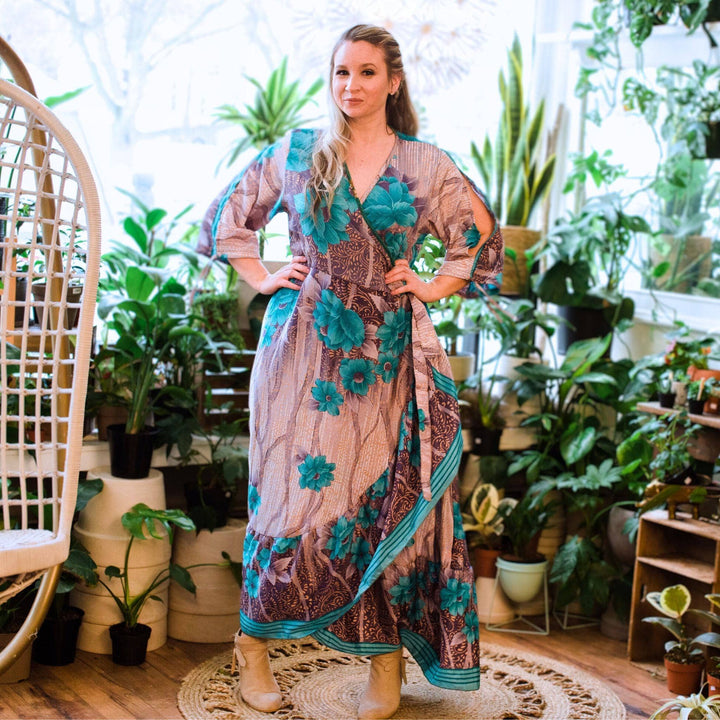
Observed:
{"x":514,"y":178}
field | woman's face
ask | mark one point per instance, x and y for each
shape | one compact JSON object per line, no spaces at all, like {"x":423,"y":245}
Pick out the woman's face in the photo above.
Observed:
{"x":360,"y":83}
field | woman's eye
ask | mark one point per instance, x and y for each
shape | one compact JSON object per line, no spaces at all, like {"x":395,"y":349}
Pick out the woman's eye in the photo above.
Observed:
{"x":341,"y":72}
{"x":368,"y":72}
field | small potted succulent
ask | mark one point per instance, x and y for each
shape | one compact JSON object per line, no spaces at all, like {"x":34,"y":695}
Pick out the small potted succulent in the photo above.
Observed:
{"x":699,"y":392}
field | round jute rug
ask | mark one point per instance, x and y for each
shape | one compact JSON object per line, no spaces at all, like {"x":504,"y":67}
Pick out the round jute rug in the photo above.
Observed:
{"x":322,"y":684}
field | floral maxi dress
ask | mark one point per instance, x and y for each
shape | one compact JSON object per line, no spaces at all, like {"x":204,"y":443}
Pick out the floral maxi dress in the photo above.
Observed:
{"x":355,"y":534}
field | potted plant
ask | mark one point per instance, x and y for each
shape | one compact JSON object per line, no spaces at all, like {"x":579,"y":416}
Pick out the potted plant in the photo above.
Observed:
{"x":680,"y":256}
{"x":512,"y":173}
{"x":699,"y":391}
{"x":218,"y":465}
{"x":57,"y":637}
{"x":585,"y":259}
{"x":157,"y":343}
{"x":484,"y":526}
{"x":695,"y":705}
{"x":13,"y":611}
{"x":711,"y":639}
{"x":130,"y":637}
{"x":521,"y":570}
{"x":683,"y":657}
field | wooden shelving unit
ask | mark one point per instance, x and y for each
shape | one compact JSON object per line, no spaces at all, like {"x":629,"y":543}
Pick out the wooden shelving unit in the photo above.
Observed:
{"x":669,"y":552}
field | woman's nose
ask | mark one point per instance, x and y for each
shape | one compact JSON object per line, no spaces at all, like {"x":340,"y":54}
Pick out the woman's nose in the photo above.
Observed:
{"x":350,"y":81}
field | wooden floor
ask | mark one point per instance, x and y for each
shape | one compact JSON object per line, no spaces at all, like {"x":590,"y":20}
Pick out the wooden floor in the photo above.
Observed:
{"x":93,"y":687}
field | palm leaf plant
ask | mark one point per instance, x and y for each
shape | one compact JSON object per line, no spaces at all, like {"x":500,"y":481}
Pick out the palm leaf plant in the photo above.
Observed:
{"x":276,"y":111}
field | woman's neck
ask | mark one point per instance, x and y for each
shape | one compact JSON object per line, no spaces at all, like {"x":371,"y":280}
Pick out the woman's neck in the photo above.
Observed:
{"x":369,"y":132}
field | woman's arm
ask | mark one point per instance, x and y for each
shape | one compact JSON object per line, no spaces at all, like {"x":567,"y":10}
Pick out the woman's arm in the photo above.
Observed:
{"x":255,"y":274}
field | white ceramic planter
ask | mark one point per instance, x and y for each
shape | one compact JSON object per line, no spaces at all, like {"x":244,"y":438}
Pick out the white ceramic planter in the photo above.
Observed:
{"x":521,"y":581}
{"x":211,"y":615}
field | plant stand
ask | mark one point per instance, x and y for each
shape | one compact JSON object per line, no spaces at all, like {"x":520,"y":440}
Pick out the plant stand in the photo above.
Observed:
{"x":520,"y":623}
{"x":564,"y":618}
{"x":99,"y":529}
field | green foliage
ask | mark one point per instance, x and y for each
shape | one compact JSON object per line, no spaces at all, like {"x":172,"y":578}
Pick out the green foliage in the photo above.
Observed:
{"x":159,"y":524}
{"x":511,"y":173}
{"x":674,"y":602}
{"x":524,"y":523}
{"x":277,"y":110}
{"x":156,"y":342}
{"x":485,"y":517}
{"x":692,"y":707}
{"x":220,"y":313}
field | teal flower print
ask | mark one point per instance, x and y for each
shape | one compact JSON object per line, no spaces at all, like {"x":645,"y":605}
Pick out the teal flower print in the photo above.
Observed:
{"x":394,"y":333}
{"x":300,"y":153}
{"x":379,"y":487}
{"x":357,"y":375}
{"x":329,"y":226}
{"x":394,"y":206}
{"x":458,"y":531}
{"x":360,"y":553}
{"x":249,"y":547}
{"x":263,"y":558}
{"x":340,"y":536}
{"x":278,"y":312}
{"x":455,"y":596}
{"x":315,"y":472}
{"x":252,"y":583}
{"x":396,"y":244}
{"x":367,"y":515}
{"x":419,"y":415}
{"x":253,"y":498}
{"x":387,"y":366}
{"x":415,"y":451}
{"x":404,"y":591}
{"x":472,"y":236}
{"x":284,"y":544}
{"x":472,"y":626}
{"x":340,"y":328}
{"x":327,"y":396}
{"x":417,"y":608}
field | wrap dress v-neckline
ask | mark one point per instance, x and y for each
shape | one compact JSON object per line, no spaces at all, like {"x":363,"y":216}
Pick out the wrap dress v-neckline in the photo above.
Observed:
{"x":355,"y":532}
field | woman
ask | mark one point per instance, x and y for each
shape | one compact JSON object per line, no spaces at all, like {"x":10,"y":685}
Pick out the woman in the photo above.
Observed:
{"x":355,"y":534}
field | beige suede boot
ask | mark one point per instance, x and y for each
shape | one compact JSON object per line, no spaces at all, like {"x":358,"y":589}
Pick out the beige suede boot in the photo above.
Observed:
{"x":382,"y":694}
{"x":257,"y":685}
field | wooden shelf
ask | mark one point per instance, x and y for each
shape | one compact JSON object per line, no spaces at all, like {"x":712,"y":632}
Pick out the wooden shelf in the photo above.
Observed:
{"x":709,"y":421}
{"x":680,"y":565}
{"x":670,"y":552}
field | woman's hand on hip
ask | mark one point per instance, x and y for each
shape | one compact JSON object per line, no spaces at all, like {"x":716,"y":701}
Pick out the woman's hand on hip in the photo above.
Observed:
{"x":296,"y":269}
{"x":439,"y":287}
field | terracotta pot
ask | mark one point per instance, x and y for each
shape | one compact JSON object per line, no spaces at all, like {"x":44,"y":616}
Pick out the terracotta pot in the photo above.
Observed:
{"x":713,"y":680}
{"x":711,"y":406}
{"x":683,"y":678}
{"x":484,"y":562}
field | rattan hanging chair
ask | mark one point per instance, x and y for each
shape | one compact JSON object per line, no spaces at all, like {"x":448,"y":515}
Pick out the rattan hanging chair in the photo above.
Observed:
{"x":49,"y":236}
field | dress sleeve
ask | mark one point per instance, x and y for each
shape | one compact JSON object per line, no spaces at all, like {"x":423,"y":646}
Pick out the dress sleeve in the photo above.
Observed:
{"x":461,"y":217}
{"x":247,"y":204}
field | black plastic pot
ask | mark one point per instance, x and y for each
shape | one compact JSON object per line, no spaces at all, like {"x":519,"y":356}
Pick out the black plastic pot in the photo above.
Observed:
{"x":129,"y":644}
{"x":712,"y":141}
{"x":695,"y":407}
{"x":666,"y":399}
{"x":130,"y":454}
{"x":57,"y":638}
{"x":217,"y":499}
{"x":487,"y":441}
{"x":584,"y":323}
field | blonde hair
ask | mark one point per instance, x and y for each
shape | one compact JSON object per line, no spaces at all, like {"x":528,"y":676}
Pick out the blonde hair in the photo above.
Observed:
{"x":331,"y":147}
